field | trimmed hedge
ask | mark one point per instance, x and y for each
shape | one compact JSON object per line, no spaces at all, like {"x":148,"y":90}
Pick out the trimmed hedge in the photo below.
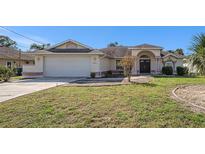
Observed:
{"x":167,"y":70}
{"x":182,"y":70}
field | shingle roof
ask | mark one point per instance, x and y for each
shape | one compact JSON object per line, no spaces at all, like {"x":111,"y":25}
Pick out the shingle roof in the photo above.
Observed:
{"x":116,"y":52}
{"x":145,"y":45}
{"x":9,"y":53}
{"x":121,"y":51}
{"x":164,"y":53}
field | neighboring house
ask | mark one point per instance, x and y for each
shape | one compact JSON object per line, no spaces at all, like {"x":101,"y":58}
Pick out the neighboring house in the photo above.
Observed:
{"x":13,"y":58}
{"x":73,"y":59}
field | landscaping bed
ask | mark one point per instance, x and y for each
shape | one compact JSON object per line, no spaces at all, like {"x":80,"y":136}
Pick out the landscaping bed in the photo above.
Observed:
{"x":193,"y":95}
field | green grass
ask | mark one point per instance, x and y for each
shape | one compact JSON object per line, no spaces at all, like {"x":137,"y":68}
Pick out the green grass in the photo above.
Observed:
{"x":16,"y":78}
{"x":142,"y":105}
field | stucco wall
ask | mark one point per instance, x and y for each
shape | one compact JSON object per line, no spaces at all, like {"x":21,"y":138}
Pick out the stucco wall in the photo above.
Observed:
{"x":95,"y":63}
{"x":104,"y":64}
{"x":15,"y":63}
{"x":112,"y":64}
{"x":38,"y":67}
{"x":179,"y":62}
{"x":137,"y":52}
{"x":154,"y":68}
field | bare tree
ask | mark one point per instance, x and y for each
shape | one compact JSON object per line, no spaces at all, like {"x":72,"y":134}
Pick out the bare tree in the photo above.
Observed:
{"x":128,"y":63}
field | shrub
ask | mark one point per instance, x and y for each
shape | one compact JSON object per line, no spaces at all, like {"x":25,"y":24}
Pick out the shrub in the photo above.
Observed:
{"x":167,"y":70}
{"x":5,"y":73}
{"x":92,"y":75}
{"x":108,"y":74}
{"x":18,"y":71}
{"x":182,"y":70}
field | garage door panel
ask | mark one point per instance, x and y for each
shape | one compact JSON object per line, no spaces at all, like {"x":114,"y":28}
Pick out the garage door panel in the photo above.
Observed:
{"x":67,"y":66}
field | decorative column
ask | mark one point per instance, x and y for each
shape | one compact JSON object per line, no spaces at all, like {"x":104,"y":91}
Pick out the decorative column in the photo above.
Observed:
{"x":157,"y":64}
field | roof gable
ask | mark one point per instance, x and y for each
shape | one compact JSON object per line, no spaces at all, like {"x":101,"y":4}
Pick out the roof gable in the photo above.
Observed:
{"x":168,"y":54}
{"x":146,"y":46}
{"x":70,"y":44}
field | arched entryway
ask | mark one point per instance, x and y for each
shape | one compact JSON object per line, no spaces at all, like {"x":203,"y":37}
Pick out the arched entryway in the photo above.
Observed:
{"x":145,"y":64}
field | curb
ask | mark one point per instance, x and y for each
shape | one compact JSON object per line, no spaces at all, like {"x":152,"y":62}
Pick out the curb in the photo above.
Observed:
{"x":185,"y":101}
{"x":89,"y":85}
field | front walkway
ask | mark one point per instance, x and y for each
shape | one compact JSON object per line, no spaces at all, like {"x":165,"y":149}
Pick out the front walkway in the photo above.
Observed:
{"x":18,"y":88}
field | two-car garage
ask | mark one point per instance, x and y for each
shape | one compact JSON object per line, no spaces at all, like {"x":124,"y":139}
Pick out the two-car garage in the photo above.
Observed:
{"x":67,"y":66}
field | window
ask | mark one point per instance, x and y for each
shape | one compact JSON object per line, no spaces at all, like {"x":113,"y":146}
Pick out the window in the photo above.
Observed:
{"x":8,"y":64}
{"x":27,"y":62}
{"x":144,"y":56}
{"x":169,"y":63}
{"x":118,"y":65}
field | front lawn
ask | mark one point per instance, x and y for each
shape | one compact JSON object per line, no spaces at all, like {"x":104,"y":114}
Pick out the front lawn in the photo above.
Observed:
{"x":145,"y":105}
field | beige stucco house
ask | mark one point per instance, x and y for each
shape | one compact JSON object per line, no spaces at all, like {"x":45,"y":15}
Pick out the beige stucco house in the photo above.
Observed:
{"x":73,"y":59}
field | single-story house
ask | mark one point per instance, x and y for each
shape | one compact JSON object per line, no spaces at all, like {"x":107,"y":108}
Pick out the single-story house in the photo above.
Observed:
{"x":10,"y":57}
{"x":74,"y":59}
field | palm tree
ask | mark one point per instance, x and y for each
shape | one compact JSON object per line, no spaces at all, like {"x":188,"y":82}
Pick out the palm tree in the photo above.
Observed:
{"x":198,"y":56}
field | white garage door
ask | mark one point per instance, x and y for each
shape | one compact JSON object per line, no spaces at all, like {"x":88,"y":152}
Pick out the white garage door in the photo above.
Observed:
{"x":67,"y":66}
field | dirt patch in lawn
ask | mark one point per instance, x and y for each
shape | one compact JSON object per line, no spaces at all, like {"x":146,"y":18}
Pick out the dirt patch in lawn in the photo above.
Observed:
{"x":191,"y":95}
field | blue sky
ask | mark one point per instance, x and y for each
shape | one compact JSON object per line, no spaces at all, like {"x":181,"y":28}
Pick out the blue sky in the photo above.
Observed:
{"x":98,"y":37}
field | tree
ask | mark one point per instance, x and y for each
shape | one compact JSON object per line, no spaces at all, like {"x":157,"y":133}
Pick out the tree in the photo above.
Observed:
{"x":113,"y":44}
{"x":5,"y":41}
{"x":128,"y":63}
{"x":179,"y":51}
{"x":198,"y":56}
{"x":170,"y":51}
{"x":35,"y":46}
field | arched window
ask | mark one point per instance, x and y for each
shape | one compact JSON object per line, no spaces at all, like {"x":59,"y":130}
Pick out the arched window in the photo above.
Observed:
{"x":169,"y":63}
{"x":144,"y":56}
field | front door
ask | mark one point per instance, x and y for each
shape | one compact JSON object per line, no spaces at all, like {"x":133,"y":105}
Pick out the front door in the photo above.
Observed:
{"x":144,"y":65}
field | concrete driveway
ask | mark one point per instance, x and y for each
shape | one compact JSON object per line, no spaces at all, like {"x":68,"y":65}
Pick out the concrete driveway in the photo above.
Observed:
{"x":14,"y":89}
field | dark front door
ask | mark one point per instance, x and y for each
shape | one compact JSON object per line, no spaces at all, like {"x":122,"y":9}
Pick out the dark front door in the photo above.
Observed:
{"x":144,"y":65}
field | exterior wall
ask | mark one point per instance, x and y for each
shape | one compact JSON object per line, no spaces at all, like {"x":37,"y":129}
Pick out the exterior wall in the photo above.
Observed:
{"x":98,"y":64}
{"x":179,"y":63}
{"x":34,"y":70}
{"x":112,"y":64}
{"x":153,"y":67}
{"x":176,"y":62}
{"x":154,"y":60}
{"x":104,"y":64}
{"x":15,"y":63}
{"x":95,"y":64}
{"x":136,"y":52}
